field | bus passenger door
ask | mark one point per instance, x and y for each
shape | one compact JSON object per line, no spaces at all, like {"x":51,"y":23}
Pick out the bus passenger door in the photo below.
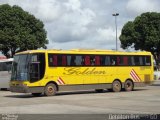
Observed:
{"x":37,"y":67}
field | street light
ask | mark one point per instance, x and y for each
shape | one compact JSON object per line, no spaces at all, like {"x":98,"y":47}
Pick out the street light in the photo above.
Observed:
{"x":116,"y":14}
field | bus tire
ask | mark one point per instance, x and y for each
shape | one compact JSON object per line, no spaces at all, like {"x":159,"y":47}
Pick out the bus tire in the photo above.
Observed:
{"x":50,"y":89}
{"x":116,"y":86}
{"x":36,"y":94}
{"x":128,"y":85}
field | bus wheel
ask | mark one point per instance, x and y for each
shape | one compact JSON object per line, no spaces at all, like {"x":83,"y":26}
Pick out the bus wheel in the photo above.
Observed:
{"x":116,"y":86}
{"x":50,"y":89}
{"x":36,"y":94}
{"x":128,"y":85}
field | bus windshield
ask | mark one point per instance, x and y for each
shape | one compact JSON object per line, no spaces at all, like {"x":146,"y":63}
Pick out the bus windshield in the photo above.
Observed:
{"x":20,"y":67}
{"x":28,"y":67}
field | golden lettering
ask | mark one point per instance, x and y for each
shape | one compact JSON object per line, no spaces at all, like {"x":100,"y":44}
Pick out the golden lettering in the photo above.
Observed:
{"x":81,"y":71}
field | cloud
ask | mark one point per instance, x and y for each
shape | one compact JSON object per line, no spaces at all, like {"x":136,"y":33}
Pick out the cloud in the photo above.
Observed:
{"x":73,"y":4}
{"x":46,"y":10}
{"x":106,"y":33}
{"x":72,"y":25}
{"x":139,"y":6}
{"x":84,"y":23}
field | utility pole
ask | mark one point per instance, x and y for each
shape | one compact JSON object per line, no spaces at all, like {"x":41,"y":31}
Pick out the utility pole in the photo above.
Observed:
{"x":115,"y":15}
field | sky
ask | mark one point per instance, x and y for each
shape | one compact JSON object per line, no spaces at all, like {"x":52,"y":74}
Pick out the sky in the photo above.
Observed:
{"x":84,"y":24}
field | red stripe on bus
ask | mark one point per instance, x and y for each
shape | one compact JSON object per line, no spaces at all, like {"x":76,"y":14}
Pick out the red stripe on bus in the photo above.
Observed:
{"x":61,"y":80}
{"x":137,"y":75}
{"x":133,"y":76}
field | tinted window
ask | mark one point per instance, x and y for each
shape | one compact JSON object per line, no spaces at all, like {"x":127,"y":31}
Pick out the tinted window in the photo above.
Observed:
{"x":147,"y":60}
{"x":97,"y":60}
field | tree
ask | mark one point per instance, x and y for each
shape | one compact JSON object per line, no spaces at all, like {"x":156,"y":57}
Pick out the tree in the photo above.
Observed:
{"x":143,"y":34}
{"x":20,"y":31}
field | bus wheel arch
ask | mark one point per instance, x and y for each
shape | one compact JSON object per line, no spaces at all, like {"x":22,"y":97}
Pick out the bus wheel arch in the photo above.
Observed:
{"x":116,"y":85}
{"x":129,"y":85}
{"x":51,"y":88}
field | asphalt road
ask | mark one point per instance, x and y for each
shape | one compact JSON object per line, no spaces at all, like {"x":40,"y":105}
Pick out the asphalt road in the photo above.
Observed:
{"x":144,"y":100}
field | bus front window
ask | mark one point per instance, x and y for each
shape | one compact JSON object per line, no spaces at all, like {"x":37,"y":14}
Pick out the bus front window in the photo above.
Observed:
{"x":20,"y":67}
{"x":28,"y":67}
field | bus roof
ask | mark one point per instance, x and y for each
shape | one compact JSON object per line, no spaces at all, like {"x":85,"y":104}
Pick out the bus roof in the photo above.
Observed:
{"x":85,"y":51}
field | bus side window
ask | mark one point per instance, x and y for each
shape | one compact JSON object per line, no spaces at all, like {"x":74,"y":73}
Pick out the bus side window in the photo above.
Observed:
{"x":102,"y":60}
{"x":97,"y":60}
{"x":72,"y":62}
{"x":92,"y":60}
{"x":54,"y":60}
{"x":59,"y":60}
{"x":118,"y":60}
{"x":64,"y":61}
{"x":78,"y":60}
{"x":138,"y":60}
{"x":83,"y":61}
{"x":113,"y":60}
{"x":125,"y":60}
{"x":131,"y":61}
{"x":87,"y":60}
{"x":147,"y":60}
{"x":141,"y":60}
{"x":68,"y":60}
{"x":107,"y":60}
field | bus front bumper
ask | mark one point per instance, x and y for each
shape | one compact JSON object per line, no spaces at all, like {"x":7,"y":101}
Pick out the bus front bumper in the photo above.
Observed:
{"x":26,"y":89}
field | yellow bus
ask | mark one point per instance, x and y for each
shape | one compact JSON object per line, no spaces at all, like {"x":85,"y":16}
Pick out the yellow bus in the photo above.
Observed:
{"x":49,"y":71}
